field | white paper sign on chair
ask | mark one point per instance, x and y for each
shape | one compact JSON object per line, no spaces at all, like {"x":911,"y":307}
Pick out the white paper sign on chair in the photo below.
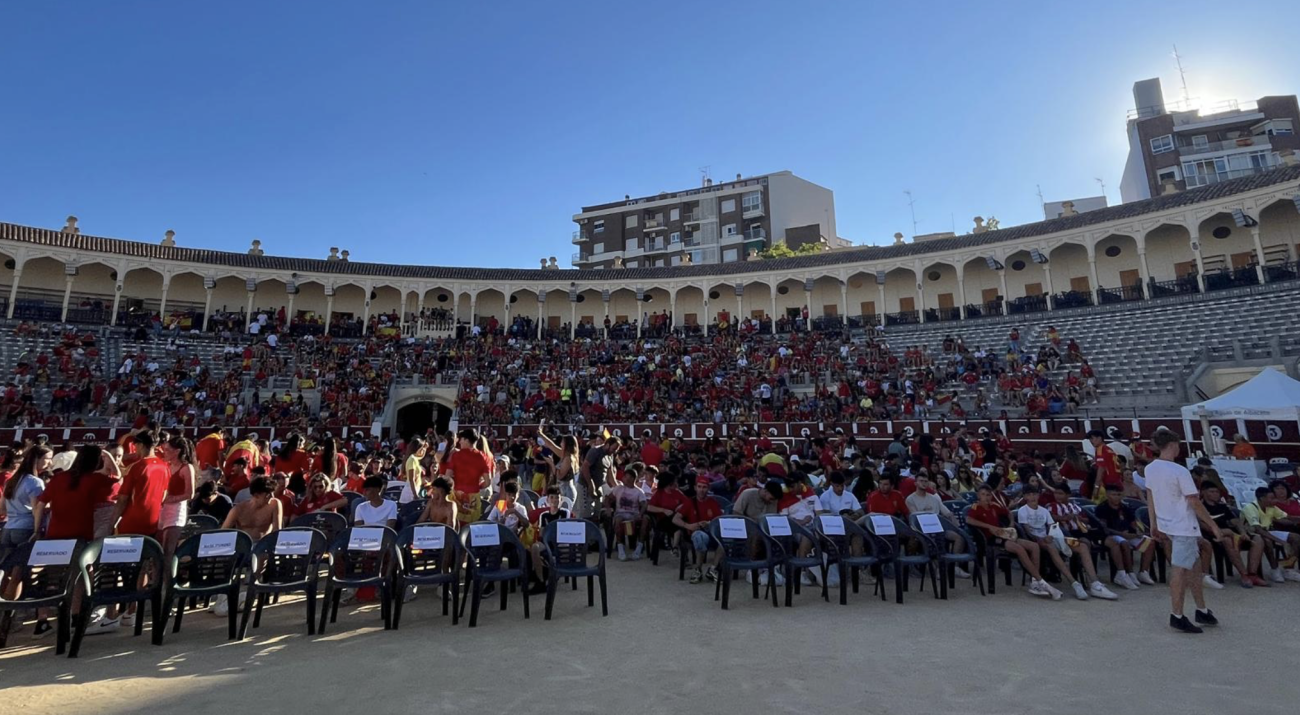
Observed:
{"x":484,"y":535}
{"x":429,"y":538}
{"x":883,"y":524}
{"x":929,"y":523}
{"x":832,"y":525}
{"x":293,"y":543}
{"x":732,"y":528}
{"x":121,"y":550}
{"x":219,"y":543}
{"x":365,"y":538}
{"x":52,"y":552}
{"x":569,"y":532}
{"x":778,"y":525}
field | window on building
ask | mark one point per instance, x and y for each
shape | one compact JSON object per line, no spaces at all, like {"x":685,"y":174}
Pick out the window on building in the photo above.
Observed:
{"x":674,"y":214}
{"x":1280,"y":127}
{"x":661,"y":263}
{"x":675,"y":237}
{"x":633,"y":243}
{"x":632,"y":264}
{"x":730,"y":255}
{"x":630,"y":221}
{"x":598,"y":248}
{"x":677,"y":260}
{"x":753,"y":201}
{"x":728,"y":205}
{"x":1200,"y":141}
{"x":697,"y":256}
{"x":1160,"y":145}
{"x":599,"y":226}
{"x":729,"y":230}
{"x":1170,"y":174}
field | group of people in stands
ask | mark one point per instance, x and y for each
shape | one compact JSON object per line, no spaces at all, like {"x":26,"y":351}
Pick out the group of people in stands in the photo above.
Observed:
{"x":1056,"y":515}
{"x":508,"y":376}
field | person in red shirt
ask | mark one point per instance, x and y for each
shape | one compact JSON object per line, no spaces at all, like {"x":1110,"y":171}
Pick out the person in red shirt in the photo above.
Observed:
{"x":652,"y":455}
{"x":139,"y":502}
{"x":71,"y":496}
{"x":885,"y":500}
{"x":665,"y":503}
{"x":470,"y":470}
{"x":321,"y":496}
{"x":210,"y":449}
{"x":292,"y":458}
{"x":1109,"y":474}
{"x":993,"y":520}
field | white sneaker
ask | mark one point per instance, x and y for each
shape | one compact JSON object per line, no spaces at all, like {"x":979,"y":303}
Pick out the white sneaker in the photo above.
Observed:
{"x":1291,"y":574}
{"x":962,"y":573}
{"x":780,"y":578}
{"x":640,"y":551}
{"x":749,"y":577}
{"x":1039,"y":588}
{"x":1209,"y":582}
{"x":1100,"y":591}
{"x":833,"y":577}
{"x":622,"y":552}
{"x":1052,"y":591}
{"x":221,"y":606}
{"x":806,"y":579}
{"x":1127,"y":580}
{"x":348,"y":595}
{"x":1145,"y":578}
{"x":1080,"y":592}
{"x":1277,"y":576}
{"x":409,"y":595}
{"x":128,"y":620}
{"x":102,"y":626}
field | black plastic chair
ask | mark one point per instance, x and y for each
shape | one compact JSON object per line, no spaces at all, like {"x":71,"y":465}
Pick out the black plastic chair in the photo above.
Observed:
{"x":736,"y":553}
{"x":394,"y":493}
{"x":423,"y":566}
{"x":485,"y":567}
{"x":360,"y":567}
{"x":191,"y":574}
{"x":904,"y":562}
{"x":274,"y":571}
{"x":353,"y":498}
{"x":789,"y":535}
{"x":49,"y":586}
{"x":991,"y":555}
{"x":118,"y":582}
{"x":936,"y":545}
{"x":837,"y":533}
{"x":407,"y":513}
{"x":329,"y":523}
{"x":198,"y":524}
{"x":570,"y":559}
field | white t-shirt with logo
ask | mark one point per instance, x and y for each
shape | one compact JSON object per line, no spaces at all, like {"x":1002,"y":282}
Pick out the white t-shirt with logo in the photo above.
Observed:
{"x":1036,"y":520}
{"x":366,"y":515}
{"x":1170,"y":484}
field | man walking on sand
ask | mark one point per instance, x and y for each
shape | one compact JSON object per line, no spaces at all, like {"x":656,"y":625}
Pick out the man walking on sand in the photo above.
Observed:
{"x":1176,"y":508}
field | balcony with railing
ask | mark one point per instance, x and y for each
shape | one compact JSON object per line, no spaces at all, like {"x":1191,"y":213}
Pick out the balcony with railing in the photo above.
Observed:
{"x":691,"y":216}
{"x":652,"y":224}
{"x":692,"y":242}
{"x":580,"y":258}
{"x":1192,"y":148}
{"x":578,"y":237}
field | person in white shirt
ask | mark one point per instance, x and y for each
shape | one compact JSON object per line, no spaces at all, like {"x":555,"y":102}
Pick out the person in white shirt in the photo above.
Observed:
{"x":375,"y":510}
{"x":1176,"y":509}
{"x":1038,"y":522}
{"x":508,"y":511}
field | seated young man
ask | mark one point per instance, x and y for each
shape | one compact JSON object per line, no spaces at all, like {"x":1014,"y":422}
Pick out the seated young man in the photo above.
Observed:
{"x":375,"y":510}
{"x":994,"y":521}
{"x":925,"y":500}
{"x":799,"y":504}
{"x":1234,"y":537}
{"x":885,"y":499}
{"x":262,"y":514}
{"x":628,"y":504}
{"x":694,"y":518}
{"x":839,"y":500}
{"x":553,"y":510}
{"x":1262,"y":518}
{"x":1124,"y":539}
{"x":665,"y":503}
{"x":1037,"y":520}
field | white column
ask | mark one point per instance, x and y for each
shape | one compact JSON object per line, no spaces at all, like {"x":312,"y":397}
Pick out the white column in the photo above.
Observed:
{"x":248,"y":317}
{"x":844,"y":302}
{"x":365,"y":313}
{"x":473,"y":309}
{"x":672,"y":310}
{"x":329,"y":310}
{"x":541,"y":306}
{"x":419,"y":309}
{"x":67,"y":296}
{"x":1259,"y":252}
{"x":13,"y":289}
{"x":1146,"y":272}
{"x":207,"y":308}
{"x":880,"y":308}
{"x":288,"y":311}
{"x":772,"y":287}
{"x":117,"y":297}
{"x":605,"y":300}
{"x":961,"y":290}
{"x":1047,"y":274}
{"x":573,"y":318}
{"x":1200,"y":261}
{"x":509,"y":292}
{"x":920,"y":297}
{"x":1092,"y":270}
{"x":1006,"y":300}
{"x":704,"y":324}
{"x":162,"y":304}
{"x":740,"y":308}
{"x":401,"y":318}
{"x":807,"y":305}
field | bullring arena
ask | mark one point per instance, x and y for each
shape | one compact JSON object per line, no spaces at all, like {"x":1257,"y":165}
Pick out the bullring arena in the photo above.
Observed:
{"x":818,"y":365}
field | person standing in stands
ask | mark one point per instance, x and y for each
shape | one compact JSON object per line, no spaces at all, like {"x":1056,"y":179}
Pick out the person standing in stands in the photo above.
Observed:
{"x":1176,"y":509}
{"x":1109,"y":474}
{"x":179,"y":454}
{"x":470,"y":471}
{"x":210,"y":449}
{"x":139,"y":510}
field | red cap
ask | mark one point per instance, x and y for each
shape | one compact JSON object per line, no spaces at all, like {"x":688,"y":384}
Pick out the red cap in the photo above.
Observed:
{"x":704,"y":480}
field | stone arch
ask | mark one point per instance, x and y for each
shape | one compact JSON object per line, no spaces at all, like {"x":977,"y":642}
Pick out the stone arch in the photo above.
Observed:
{"x":1226,"y":248}
{"x":900,"y":294}
{"x":864,"y":295}
{"x":491,"y":303}
{"x":1119,"y":268}
{"x":983,"y":286}
{"x":1169,"y":253}
{"x":1279,"y":231}
{"x":941,"y":291}
{"x":141,"y":294}
{"x":789,"y":297}
{"x":1071,"y":275}
{"x":691,"y":308}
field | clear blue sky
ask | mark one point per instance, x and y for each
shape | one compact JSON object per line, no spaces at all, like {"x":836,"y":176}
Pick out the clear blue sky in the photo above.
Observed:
{"x":470,"y":133}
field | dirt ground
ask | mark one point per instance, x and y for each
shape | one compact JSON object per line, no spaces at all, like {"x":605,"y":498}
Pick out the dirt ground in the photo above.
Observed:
{"x":667,"y":647}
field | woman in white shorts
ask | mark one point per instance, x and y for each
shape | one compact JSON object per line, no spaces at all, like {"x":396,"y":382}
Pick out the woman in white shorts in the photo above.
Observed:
{"x":179,"y":455}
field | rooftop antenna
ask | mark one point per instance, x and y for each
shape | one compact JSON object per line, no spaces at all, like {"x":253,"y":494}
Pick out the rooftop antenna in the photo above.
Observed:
{"x":704,"y":173}
{"x":1041,"y":203}
{"x":1103,"y":187}
{"x":911,"y":205}
{"x":1178,"y":59}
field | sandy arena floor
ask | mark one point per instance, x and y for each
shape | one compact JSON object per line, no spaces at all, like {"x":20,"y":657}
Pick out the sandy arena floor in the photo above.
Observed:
{"x":667,"y":647}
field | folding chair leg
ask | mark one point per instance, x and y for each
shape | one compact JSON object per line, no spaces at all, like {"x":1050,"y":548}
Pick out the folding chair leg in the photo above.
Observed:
{"x":159,"y":617}
{"x":447,"y":590}
{"x":386,"y":606}
{"x":83,"y":622}
{"x":456,"y":604}
{"x":6,"y":622}
{"x":591,"y":591}
{"x":248,"y":610}
{"x":63,"y":634}
{"x":604,"y":596}
{"x":725,"y":583}
{"x":475,"y":597}
{"x":232,"y":611}
{"x":311,"y":609}
{"x":552,"y":584}
{"x":262,"y":599}
{"x":523,"y":589}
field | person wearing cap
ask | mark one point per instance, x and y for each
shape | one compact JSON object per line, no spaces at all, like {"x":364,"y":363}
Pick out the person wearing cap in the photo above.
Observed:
{"x":693,"y":518}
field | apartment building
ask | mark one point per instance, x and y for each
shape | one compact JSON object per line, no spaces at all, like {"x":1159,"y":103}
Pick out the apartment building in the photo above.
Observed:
{"x":717,"y":222}
{"x":1185,"y":146}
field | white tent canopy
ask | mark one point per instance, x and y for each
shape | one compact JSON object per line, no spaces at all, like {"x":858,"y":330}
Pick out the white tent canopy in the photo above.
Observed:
{"x":1270,"y":395}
